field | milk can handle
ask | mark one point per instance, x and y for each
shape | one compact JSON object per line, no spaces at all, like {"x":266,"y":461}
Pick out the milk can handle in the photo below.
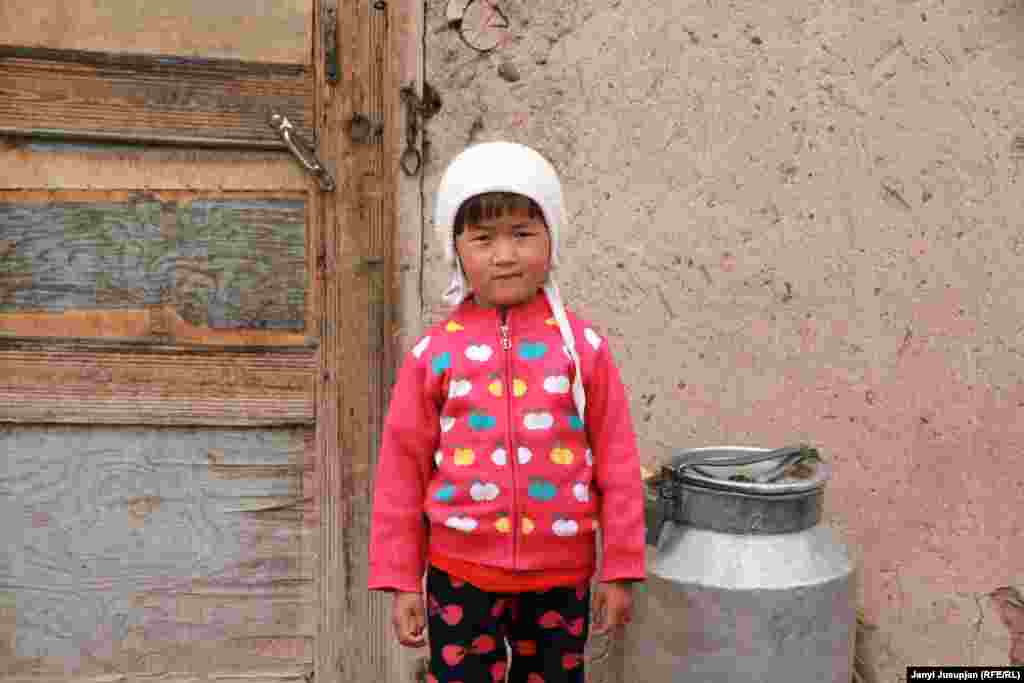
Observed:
{"x":666,"y":496}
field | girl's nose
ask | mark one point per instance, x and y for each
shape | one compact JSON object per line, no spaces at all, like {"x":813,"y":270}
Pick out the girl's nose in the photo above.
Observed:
{"x":504,"y":250}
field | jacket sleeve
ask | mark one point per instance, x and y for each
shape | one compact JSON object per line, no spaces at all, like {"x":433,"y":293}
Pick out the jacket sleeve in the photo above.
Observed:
{"x":616,"y":472}
{"x":398,"y":535}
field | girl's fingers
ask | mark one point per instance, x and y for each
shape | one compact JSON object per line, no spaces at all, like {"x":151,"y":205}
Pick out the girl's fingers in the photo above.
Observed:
{"x":409,"y":619}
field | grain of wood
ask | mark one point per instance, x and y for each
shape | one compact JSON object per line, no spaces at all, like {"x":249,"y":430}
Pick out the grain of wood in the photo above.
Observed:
{"x":183,"y":267}
{"x":131,"y":548}
{"x":136,"y":386}
{"x":270,"y":30}
{"x":358,"y":230}
{"x":62,"y":166}
{"x":149,"y":98}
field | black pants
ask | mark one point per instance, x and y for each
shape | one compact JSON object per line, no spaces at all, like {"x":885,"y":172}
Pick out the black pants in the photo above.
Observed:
{"x":468,"y":629}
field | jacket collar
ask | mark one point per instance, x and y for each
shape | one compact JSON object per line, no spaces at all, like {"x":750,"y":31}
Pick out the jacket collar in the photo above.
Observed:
{"x":536,"y":307}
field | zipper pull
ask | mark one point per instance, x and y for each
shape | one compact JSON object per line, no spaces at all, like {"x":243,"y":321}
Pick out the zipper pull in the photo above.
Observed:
{"x":506,"y":343}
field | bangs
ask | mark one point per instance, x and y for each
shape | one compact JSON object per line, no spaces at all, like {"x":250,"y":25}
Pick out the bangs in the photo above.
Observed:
{"x":483,"y":207}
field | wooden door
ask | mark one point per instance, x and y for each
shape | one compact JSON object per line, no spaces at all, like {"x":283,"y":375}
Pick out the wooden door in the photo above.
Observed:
{"x":179,"y":304}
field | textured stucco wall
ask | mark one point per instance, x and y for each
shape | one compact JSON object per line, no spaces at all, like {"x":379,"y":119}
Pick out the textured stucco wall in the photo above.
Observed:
{"x":795,"y":221}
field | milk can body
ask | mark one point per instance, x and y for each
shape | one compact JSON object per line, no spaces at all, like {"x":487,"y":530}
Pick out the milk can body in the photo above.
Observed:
{"x":746,"y":584}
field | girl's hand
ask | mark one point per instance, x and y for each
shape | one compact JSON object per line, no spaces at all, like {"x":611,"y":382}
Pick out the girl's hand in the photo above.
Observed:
{"x":409,"y":618}
{"x":613,"y":606}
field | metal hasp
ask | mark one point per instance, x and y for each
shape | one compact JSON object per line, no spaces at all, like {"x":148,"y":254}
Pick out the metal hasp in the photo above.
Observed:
{"x":747,"y":582}
{"x":302,"y":150}
{"x":331,"y":67}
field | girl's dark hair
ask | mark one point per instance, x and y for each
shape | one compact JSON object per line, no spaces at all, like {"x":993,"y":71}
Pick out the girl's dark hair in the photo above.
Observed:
{"x":490,"y":205}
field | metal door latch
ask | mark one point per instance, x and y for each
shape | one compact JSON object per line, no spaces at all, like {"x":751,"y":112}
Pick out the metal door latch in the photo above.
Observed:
{"x":417,"y":112}
{"x":302,"y":150}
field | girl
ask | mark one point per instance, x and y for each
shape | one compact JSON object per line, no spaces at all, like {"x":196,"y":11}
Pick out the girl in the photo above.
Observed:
{"x":508,"y":446}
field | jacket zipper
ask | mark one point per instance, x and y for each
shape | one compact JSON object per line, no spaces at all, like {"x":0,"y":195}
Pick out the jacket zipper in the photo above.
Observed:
{"x":513,"y":457}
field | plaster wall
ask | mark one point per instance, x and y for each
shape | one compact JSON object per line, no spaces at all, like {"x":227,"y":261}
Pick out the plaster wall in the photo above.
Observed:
{"x":794,"y":221}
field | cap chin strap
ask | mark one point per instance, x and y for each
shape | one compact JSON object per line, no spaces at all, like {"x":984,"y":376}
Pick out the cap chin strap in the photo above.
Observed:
{"x":555,"y":301}
{"x":457,"y":289}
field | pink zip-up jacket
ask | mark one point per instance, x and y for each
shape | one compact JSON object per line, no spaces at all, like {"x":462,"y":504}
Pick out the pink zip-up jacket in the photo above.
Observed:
{"x":484,"y":458}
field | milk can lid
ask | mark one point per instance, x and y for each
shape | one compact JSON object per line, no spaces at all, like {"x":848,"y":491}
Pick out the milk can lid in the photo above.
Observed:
{"x":794,"y":469}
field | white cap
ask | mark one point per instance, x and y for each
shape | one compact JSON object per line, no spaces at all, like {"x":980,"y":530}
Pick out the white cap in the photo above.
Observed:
{"x":505,"y":167}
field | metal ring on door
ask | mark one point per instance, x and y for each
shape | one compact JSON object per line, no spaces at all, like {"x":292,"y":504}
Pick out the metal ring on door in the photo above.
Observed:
{"x":411,"y":161}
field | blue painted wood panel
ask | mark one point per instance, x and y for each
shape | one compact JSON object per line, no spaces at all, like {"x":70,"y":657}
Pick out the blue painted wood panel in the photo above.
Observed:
{"x":126,"y":544}
{"x":222,"y":263}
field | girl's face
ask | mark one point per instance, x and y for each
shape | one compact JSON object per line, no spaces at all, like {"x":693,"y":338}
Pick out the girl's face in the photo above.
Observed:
{"x":505,"y":259}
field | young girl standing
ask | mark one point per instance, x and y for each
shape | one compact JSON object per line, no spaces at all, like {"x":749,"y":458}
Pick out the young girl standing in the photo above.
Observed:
{"x":508,"y":449}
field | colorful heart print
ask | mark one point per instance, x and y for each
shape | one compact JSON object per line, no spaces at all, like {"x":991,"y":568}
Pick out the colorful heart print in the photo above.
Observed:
{"x":483,"y":645}
{"x":421,"y":347}
{"x":532,"y":350}
{"x":561,"y":456}
{"x":450,"y":614}
{"x":445,"y":493}
{"x":499,"y":457}
{"x":524,"y":455}
{"x":481,"y":422}
{"x":464,"y":524}
{"x":453,"y":654}
{"x":541,"y":489}
{"x":479,"y":352}
{"x":483,"y":491}
{"x":459,"y":388}
{"x":556,"y":384}
{"x":552,"y":619}
{"x":534,"y":421}
{"x":441,"y":362}
{"x":565,"y":527}
{"x":575,"y":423}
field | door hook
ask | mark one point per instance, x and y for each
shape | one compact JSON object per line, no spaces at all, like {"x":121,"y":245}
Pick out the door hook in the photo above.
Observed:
{"x":301,"y":149}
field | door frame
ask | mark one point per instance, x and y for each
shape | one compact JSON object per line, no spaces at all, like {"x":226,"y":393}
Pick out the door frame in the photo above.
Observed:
{"x":356,"y":274}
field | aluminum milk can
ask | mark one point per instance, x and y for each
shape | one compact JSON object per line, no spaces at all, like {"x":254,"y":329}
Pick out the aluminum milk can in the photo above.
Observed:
{"x":746,"y":584}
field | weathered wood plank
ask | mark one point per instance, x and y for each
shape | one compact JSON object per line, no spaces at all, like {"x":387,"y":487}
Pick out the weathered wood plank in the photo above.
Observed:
{"x":140,"y":386}
{"x":175,"y":266}
{"x":150,"y":99}
{"x":133,"y":555}
{"x":62,"y":166}
{"x":267,"y":30}
{"x":354,"y":638}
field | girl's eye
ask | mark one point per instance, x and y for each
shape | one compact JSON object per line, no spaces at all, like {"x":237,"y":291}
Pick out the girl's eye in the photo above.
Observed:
{"x":523,"y":234}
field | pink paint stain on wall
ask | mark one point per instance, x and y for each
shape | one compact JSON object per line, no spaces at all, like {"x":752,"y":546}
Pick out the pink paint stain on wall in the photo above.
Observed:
{"x":728,"y":262}
{"x":808,"y":335}
{"x":284,"y":648}
{"x":761,"y":329}
{"x":925,"y":463}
